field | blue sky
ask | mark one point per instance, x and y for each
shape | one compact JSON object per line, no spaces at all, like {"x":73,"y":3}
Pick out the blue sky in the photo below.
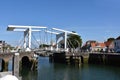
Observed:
{"x":92,"y":19}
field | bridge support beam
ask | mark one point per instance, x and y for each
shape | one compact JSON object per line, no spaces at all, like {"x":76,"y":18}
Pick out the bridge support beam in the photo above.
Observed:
{"x":24,"y":40}
{"x":64,"y":57}
{"x":29,"y":38}
{"x":65,"y":46}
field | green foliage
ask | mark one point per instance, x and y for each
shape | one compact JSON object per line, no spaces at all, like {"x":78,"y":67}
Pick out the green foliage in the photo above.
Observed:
{"x":7,"y":47}
{"x":43,"y":45}
{"x":75,"y":40}
{"x":110,"y":39}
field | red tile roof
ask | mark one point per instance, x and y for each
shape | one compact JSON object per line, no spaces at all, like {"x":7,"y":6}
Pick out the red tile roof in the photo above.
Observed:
{"x":108,"y":43}
{"x":98,"y":44}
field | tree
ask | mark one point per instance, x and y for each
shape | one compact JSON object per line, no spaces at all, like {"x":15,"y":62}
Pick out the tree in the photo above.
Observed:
{"x":7,"y":47}
{"x":43,"y":45}
{"x":74,"y":40}
{"x":110,"y":39}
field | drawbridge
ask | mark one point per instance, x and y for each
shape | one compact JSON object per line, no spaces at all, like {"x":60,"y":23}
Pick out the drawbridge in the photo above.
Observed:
{"x":46,"y":40}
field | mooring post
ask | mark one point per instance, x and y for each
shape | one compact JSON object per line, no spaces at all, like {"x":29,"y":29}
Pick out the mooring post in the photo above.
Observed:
{"x":16,"y":65}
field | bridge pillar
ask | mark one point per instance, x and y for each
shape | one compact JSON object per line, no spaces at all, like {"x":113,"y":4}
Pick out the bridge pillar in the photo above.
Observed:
{"x":29,"y":38}
{"x":25,"y":40}
{"x":5,"y":66}
{"x":16,"y":65}
{"x":65,"y":46}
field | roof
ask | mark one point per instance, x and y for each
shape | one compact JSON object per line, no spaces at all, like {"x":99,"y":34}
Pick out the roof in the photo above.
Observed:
{"x":102,"y":45}
{"x":118,"y":38}
{"x":107,"y":43}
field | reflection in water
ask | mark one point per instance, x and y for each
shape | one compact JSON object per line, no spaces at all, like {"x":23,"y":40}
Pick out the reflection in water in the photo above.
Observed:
{"x":10,"y":65}
{"x":52,"y":71}
{"x":2,"y":63}
{"x":28,"y":75}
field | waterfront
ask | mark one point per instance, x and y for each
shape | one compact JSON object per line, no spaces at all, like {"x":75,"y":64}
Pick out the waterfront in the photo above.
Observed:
{"x":53,"y":71}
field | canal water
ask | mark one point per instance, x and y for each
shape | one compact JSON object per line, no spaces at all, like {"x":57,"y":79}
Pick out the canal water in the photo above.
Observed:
{"x":52,"y":71}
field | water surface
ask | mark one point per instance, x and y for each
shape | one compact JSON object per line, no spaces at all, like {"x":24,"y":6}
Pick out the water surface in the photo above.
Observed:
{"x":52,"y":71}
